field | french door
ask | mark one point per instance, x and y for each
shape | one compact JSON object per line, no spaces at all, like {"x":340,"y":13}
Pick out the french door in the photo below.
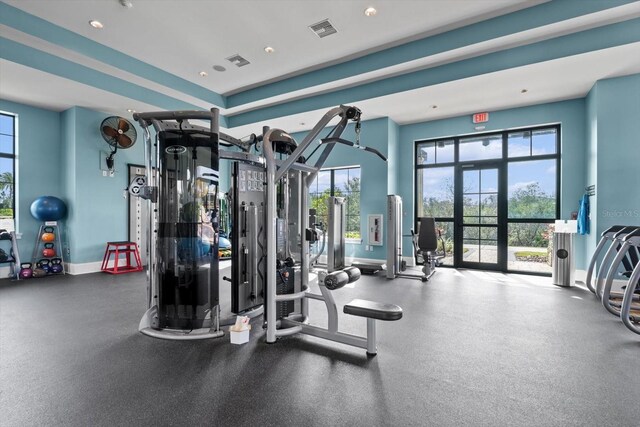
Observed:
{"x":479,"y":215}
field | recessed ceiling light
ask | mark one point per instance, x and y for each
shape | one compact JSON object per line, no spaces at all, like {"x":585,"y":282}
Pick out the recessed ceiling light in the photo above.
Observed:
{"x":96,"y":24}
{"x":269,"y":49}
{"x":131,"y":110}
{"x":126,"y":3}
{"x":434,"y":106}
{"x":203,"y":74}
{"x":302,"y":123}
{"x":524,"y":91}
{"x":370,"y":11}
{"x":219,"y":68}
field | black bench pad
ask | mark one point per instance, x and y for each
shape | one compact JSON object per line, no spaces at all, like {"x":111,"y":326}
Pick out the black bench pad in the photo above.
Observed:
{"x":373,"y":310}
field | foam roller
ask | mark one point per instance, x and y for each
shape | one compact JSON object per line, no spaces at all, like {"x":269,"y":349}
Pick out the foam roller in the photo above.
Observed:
{"x":336,"y":280}
{"x":353,"y":273}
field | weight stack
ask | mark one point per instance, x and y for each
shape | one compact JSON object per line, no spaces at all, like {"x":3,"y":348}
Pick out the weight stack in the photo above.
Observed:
{"x":285,"y":280}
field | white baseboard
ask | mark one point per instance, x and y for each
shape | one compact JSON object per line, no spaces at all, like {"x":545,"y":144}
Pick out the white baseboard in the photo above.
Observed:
{"x":409,"y":260}
{"x":350,"y":260}
{"x":73,"y":269}
{"x":5,"y":272}
{"x":89,"y":267}
{"x":84,"y":268}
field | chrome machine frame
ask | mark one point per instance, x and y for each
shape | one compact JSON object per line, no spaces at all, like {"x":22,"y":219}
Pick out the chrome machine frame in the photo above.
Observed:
{"x":291,"y":178}
{"x":162,"y":121}
{"x":297,"y":322}
{"x":275,"y":174}
{"x":395,"y":263}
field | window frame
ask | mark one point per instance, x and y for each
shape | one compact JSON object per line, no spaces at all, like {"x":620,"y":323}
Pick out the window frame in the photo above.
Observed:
{"x":332,"y":192}
{"x":12,"y":157}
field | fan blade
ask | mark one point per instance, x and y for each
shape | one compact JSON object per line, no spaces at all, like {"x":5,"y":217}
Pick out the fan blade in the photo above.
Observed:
{"x":124,"y":141}
{"x":109,"y":131}
{"x":123,"y":125}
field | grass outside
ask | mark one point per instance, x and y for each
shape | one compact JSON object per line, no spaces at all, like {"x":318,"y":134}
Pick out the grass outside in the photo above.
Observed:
{"x":532,"y":256}
{"x":531,"y":253}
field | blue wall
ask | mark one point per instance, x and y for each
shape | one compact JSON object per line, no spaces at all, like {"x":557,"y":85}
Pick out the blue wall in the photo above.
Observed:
{"x":98,"y":211}
{"x":59,"y":155}
{"x":374,"y":172}
{"x":615,"y":152}
{"x":38,"y":166}
{"x":571,"y":116}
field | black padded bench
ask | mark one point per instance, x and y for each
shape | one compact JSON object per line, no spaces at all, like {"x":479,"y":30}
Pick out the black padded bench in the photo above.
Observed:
{"x":372,"y":311}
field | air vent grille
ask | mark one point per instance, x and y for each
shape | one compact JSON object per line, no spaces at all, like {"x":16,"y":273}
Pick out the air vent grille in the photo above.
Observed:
{"x":238,"y":60}
{"x":323,"y":28}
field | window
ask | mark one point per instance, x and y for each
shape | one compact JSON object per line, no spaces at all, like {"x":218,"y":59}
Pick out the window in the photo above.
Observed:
{"x":7,"y":169}
{"x":502,"y":188}
{"x":481,"y":148}
{"x":344,"y":182}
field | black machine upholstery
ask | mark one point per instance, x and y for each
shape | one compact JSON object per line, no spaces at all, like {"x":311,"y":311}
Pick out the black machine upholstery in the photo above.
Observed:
{"x":425,"y":246}
{"x":373,"y":310}
{"x":427,"y":235}
{"x":427,"y":241}
{"x":339,"y":278}
{"x":336,"y":280}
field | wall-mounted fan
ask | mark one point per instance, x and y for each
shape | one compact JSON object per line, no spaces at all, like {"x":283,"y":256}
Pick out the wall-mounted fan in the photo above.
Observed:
{"x":119,"y":133}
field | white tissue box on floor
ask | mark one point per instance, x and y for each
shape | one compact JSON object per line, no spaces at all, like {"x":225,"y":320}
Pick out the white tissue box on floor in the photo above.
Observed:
{"x":240,"y":331}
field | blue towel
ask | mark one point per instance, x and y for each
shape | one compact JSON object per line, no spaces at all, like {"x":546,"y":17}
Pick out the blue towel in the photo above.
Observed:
{"x":583,"y":215}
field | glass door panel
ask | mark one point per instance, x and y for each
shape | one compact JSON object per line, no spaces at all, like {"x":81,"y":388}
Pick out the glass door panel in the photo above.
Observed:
{"x":480,"y":216}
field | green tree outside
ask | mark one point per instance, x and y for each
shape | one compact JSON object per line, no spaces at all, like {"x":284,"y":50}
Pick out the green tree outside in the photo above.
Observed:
{"x":6,"y":195}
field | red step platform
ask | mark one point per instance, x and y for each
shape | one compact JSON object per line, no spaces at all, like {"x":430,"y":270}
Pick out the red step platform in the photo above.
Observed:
{"x":121,"y":248}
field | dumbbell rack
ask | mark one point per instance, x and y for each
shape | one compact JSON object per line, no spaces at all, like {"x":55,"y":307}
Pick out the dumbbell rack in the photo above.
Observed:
{"x":14,"y":256}
{"x":57,"y":245}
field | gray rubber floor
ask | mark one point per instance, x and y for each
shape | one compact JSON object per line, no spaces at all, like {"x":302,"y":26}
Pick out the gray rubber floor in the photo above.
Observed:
{"x":473,"y":348}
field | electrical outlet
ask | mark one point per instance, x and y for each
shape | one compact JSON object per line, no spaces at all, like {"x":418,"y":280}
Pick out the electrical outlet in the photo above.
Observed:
{"x":104,"y":173}
{"x":112,"y":174}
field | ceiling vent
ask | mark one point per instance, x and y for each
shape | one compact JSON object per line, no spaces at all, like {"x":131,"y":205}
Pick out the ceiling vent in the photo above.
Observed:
{"x":323,"y":28}
{"x":238,"y":60}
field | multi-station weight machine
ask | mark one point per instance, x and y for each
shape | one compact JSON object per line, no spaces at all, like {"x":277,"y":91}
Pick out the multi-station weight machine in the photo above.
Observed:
{"x":271,"y":235}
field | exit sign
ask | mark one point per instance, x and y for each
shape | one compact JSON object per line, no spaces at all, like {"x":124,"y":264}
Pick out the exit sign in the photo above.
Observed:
{"x":480,"y":117}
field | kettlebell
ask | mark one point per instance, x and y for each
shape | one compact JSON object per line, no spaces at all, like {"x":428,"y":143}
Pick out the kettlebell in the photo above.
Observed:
{"x":48,"y":235}
{"x":44,"y":264}
{"x":38,"y":272}
{"x":48,"y":250}
{"x":25,"y":270}
{"x":56,"y":266}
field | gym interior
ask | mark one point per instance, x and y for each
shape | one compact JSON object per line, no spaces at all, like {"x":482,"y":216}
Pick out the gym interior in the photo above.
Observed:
{"x":279,"y":212}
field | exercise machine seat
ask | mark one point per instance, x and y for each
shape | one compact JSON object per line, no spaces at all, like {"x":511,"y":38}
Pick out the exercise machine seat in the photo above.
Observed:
{"x":373,"y":310}
{"x":427,"y":236}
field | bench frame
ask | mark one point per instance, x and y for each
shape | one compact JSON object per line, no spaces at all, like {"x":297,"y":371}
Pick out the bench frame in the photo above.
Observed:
{"x":295,"y":324}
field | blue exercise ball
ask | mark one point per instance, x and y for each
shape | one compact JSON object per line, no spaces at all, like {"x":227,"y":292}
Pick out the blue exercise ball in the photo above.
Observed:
{"x":48,"y":208}
{"x":223,"y":243}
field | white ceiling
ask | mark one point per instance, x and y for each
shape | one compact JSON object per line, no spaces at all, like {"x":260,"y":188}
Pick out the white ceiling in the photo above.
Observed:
{"x":573,"y":77}
{"x":187,"y":36}
{"x":23,"y":84}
